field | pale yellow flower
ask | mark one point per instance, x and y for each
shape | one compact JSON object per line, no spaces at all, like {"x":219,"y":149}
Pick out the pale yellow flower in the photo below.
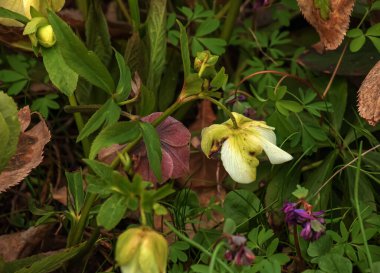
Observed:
{"x":141,"y":250}
{"x":239,"y":147}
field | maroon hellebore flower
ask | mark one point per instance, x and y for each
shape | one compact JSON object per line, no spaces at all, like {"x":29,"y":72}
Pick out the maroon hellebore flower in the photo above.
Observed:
{"x":174,"y":138}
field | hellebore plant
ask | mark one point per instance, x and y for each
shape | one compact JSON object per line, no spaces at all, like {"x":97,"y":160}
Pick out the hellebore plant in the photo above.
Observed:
{"x":239,"y":144}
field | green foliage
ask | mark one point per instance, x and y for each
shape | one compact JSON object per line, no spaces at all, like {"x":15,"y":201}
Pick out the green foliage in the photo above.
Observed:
{"x":45,"y":104}
{"x":9,"y":129}
{"x":85,"y":63}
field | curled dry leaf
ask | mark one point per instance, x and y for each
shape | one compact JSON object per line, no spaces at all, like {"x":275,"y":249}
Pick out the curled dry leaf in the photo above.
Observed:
{"x":22,"y":244}
{"x":29,"y":152}
{"x":331,"y":20}
{"x":205,"y":172}
{"x":369,"y":96}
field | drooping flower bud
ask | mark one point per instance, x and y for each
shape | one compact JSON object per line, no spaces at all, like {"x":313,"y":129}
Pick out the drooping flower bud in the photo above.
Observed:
{"x":45,"y":36}
{"x":141,"y":250}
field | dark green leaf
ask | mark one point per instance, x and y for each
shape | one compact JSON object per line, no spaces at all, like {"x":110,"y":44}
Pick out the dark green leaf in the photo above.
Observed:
{"x":374,"y":30}
{"x":119,"y":133}
{"x":123,"y":88}
{"x":220,"y":80}
{"x":184,"y":50}
{"x":75,"y":185}
{"x":97,"y":34}
{"x":206,"y":27}
{"x":17,"y":87}
{"x":193,"y":85}
{"x":61,"y":75}
{"x":44,"y":104}
{"x":43,"y":264}
{"x":335,"y":263}
{"x":241,"y":205}
{"x":157,"y":42}
{"x":320,"y":247}
{"x":376,"y":42}
{"x":354,"y":33}
{"x":85,"y":63}
{"x":112,"y":211}
{"x":6,"y":13}
{"x":10,"y":76}
{"x":357,"y":43}
{"x":215,"y":45}
{"x":153,"y":147}
{"x":108,"y":114}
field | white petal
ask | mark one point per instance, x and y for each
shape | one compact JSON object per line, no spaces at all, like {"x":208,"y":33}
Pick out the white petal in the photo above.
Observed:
{"x":237,"y":161}
{"x":268,"y":142}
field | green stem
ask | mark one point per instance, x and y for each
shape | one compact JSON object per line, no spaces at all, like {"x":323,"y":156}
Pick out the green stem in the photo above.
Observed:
{"x":80,"y":124}
{"x":76,"y":232}
{"x":124,"y":11}
{"x":135,"y":13}
{"x":357,"y":207}
{"x":229,"y":24}
{"x":223,"y":11}
{"x":224,"y":108}
{"x":196,"y":245}
{"x":214,"y":257}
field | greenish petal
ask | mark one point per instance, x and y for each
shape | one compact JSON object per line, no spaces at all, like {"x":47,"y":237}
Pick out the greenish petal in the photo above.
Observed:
{"x":213,"y":138}
{"x":239,"y":158}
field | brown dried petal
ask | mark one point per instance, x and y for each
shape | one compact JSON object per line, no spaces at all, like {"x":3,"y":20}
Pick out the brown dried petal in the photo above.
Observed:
{"x":369,"y":96}
{"x":29,"y":152}
{"x":333,"y":30}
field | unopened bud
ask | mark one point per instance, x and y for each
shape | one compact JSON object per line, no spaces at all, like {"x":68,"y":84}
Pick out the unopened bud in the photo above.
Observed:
{"x":45,"y":36}
{"x":141,"y":250}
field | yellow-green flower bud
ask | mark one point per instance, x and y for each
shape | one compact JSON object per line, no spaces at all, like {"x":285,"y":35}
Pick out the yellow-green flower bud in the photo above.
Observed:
{"x":45,"y":36}
{"x":141,"y":250}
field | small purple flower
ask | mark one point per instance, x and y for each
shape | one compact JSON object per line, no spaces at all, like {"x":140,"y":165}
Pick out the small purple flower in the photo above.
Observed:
{"x":238,"y":253}
{"x":312,"y":222}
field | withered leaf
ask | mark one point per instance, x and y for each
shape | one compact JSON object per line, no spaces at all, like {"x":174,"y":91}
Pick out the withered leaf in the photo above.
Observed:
{"x":21,"y":244}
{"x":369,"y":96}
{"x":332,"y":27}
{"x":204,"y":172}
{"x":29,"y":152}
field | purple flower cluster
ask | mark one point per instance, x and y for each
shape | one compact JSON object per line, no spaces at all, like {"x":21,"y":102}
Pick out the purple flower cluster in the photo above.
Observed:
{"x":238,"y":252}
{"x":313,"y":224}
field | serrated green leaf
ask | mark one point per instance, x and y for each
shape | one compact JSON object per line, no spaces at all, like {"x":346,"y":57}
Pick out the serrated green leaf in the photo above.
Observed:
{"x":357,"y":43}
{"x":123,"y":88}
{"x":220,"y":79}
{"x":85,"y":63}
{"x":119,"y":133}
{"x":11,"y":126}
{"x":60,"y":74}
{"x":316,"y":132}
{"x":44,"y":264}
{"x":108,"y":114}
{"x":75,"y":186}
{"x":97,"y":34}
{"x":112,"y":211}
{"x":153,"y":148}
{"x":335,"y":263}
{"x":10,"y":76}
{"x":17,"y":87}
{"x":290,"y":105}
{"x":193,"y":84}
{"x":44,"y":104}
{"x":215,"y":45}
{"x":206,"y":27}
{"x":157,"y":42}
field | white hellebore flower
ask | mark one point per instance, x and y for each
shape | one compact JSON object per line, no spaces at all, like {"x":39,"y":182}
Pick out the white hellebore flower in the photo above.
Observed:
{"x":239,"y":147}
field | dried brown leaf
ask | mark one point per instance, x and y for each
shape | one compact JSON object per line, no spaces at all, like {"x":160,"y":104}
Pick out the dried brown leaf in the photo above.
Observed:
{"x":21,"y":244}
{"x":204,"y":172}
{"x":29,"y":152}
{"x":332,"y":30}
{"x":369,"y":96}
